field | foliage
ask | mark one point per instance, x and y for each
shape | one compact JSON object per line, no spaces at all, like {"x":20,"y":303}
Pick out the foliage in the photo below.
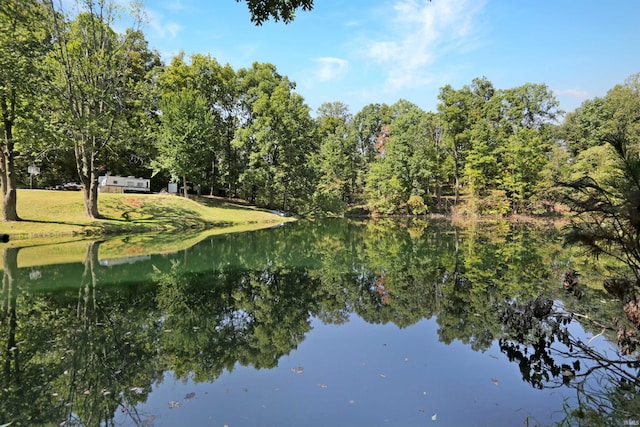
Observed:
{"x":605,"y":196}
{"x":184,"y":135}
{"x":263,"y":10}
{"x":93,"y":86}
{"x":276,"y":140}
{"x":23,"y":47}
{"x":416,"y":205}
{"x":540,"y":340}
{"x":109,"y":102}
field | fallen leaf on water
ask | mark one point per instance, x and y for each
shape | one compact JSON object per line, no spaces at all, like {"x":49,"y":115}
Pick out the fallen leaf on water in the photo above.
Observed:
{"x":433,"y":417}
{"x":190,"y":396}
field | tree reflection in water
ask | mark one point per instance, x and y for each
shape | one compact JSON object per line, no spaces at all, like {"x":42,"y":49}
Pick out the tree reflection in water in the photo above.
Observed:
{"x":539,"y":339}
{"x":86,"y":343}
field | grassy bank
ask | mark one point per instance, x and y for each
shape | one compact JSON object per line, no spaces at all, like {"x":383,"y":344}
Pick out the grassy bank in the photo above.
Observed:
{"x":50,"y":216}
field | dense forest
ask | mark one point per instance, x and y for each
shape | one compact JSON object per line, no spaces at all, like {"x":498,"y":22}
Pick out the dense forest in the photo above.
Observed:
{"x":80,"y":100}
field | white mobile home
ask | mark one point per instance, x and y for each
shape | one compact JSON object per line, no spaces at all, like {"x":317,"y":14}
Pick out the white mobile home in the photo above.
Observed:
{"x":121,"y":184}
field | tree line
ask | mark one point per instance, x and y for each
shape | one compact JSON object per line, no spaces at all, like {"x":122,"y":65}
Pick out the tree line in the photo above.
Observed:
{"x":79,"y":100}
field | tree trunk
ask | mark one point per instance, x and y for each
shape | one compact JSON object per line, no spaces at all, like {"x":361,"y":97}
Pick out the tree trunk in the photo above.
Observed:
{"x":184,"y":186}
{"x":213,"y":174}
{"x":85,"y":165}
{"x":90,"y":189}
{"x":7,"y":173}
{"x":457,"y":176}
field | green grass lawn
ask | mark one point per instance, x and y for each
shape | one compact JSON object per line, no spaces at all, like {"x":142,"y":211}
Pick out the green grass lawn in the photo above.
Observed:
{"x":59,"y":215}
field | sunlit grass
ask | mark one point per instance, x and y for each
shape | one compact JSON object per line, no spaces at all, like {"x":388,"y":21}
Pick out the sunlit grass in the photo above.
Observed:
{"x":58,"y":215}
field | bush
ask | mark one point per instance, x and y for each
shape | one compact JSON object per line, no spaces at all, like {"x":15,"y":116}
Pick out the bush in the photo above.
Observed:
{"x":416,"y":205}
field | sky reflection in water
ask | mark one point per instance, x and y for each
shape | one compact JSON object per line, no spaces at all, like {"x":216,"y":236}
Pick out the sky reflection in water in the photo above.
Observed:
{"x":359,"y":374}
{"x":348,"y":324}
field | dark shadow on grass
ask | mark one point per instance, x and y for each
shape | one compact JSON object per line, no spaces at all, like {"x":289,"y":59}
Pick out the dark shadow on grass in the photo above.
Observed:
{"x":219,"y":203}
{"x":38,"y":221}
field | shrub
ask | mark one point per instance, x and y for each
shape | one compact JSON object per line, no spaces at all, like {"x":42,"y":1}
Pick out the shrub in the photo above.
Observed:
{"x":416,"y":205}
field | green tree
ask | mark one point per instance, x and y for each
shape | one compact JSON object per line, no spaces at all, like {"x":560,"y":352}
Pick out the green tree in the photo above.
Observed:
{"x":454,"y":107}
{"x":583,"y":127}
{"x":217,"y":85}
{"x":275,"y":140}
{"x":335,"y":160}
{"x":185,"y":135}
{"x":22,"y":50}
{"x":132,"y":152}
{"x":367,"y":130}
{"x":384,"y":190}
{"x":92,"y":75}
{"x":607,"y":220}
{"x":523,"y":162}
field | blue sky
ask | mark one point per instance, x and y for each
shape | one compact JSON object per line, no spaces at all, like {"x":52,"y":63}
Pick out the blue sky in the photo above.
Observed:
{"x":379,"y":51}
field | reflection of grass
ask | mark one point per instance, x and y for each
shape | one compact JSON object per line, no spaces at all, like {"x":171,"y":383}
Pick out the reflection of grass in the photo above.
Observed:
{"x":53,"y":214}
{"x":61,"y":252}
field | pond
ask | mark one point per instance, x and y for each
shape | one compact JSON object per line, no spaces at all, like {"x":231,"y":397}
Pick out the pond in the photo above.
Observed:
{"x":325,"y":323}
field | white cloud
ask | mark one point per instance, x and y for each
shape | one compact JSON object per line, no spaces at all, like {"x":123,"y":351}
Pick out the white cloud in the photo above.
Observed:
{"x":330,"y":68}
{"x":174,"y":5}
{"x":575,"y":93}
{"x":162,"y":29}
{"x":417,"y":34}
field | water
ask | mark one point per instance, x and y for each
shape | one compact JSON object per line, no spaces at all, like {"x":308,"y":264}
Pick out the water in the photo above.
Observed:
{"x":331,"y":323}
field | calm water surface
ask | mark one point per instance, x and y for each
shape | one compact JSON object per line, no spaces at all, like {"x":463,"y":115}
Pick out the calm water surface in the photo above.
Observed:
{"x":332,"y":323}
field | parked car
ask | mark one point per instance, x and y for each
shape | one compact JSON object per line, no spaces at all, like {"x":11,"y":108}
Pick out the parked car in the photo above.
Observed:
{"x":71,"y":186}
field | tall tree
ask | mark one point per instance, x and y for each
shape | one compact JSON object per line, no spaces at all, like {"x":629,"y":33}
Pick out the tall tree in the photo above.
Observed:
{"x":582,"y":128}
{"x":335,"y":161}
{"x":525,"y":142}
{"x":454,"y":108}
{"x":131,"y":153}
{"x":185,"y":135}
{"x":275,"y":140}
{"x":93,"y":85}
{"x":606,"y":199}
{"x":367,"y":129}
{"x":22,"y":49}
{"x":217,"y":84}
